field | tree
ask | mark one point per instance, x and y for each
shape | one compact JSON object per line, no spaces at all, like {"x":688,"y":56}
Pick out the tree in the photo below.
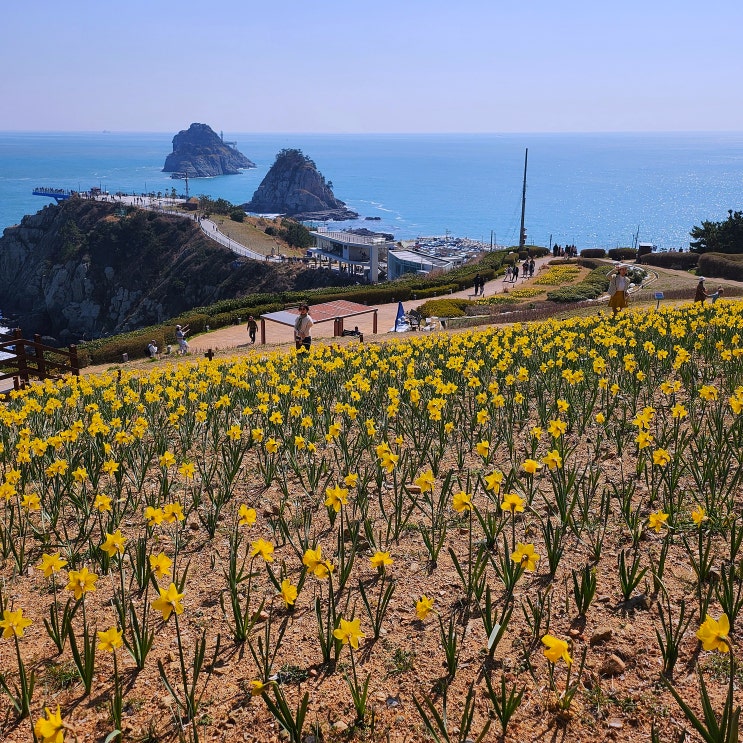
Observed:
{"x":719,"y":237}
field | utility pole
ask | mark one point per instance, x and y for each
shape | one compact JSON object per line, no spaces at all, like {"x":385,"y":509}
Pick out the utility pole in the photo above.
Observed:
{"x":522,"y":232}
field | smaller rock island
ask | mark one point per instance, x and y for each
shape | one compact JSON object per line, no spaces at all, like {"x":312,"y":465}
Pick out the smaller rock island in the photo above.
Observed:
{"x":295,"y":188}
{"x":199,"y":152}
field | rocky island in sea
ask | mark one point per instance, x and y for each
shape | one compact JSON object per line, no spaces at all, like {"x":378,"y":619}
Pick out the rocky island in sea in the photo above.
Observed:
{"x":199,"y":152}
{"x":295,"y":188}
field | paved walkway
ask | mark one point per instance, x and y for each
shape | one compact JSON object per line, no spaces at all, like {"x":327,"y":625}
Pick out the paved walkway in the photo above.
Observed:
{"x":236,"y":336}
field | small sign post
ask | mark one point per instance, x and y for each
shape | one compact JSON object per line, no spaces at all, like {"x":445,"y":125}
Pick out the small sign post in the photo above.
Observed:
{"x":658,"y":297}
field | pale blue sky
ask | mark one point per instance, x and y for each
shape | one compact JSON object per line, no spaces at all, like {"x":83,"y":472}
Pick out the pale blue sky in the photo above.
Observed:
{"x":382,"y":66}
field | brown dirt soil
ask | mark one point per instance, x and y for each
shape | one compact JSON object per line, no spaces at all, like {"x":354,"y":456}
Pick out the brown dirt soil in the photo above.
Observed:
{"x":619,"y":696}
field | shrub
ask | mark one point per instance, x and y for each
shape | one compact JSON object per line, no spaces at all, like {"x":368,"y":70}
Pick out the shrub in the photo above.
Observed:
{"x":721,"y":265}
{"x":593,"y":253}
{"x":237,"y":215}
{"x":444,"y":307}
{"x":672,"y":259}
{"x":622,"y":254}
{"x":644,"y":250}
{"x":590,"y":263}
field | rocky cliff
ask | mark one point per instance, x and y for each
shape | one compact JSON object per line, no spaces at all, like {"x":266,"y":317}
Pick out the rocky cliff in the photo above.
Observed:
{"x":200,"y":153}
{"x":85,"y":269}
{"x":294,"y":187}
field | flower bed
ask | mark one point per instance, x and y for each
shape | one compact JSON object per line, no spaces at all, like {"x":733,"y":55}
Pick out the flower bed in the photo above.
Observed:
{"x":497,"y":521}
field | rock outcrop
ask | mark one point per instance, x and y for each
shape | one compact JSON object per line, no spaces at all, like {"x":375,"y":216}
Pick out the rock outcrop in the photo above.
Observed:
{"x":86,"y":269}
{"x":199,"y":152}
{"x":295,"y":188}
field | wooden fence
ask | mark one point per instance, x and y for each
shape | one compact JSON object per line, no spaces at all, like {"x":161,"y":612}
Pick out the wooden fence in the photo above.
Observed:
{"x":23,"y":360}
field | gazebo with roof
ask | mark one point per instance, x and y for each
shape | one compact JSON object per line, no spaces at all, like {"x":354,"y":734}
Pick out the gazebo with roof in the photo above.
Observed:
{"x":337,"y":311}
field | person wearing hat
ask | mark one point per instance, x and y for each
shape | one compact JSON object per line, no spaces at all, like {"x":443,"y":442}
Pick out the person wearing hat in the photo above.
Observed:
{"x":152,"y":349}
{"x":618,"y":287}
{"x":180,"y":336}
{"x":701,"y":294}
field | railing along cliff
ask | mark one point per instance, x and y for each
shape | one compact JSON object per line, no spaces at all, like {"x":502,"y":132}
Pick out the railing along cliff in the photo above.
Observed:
{"x":24,"y":360}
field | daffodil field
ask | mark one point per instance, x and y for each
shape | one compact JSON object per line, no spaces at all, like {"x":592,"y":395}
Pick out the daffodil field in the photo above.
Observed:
{"x":476,"y":536}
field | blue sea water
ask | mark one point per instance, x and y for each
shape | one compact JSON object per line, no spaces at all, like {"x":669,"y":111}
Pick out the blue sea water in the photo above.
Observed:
{"x":591,"y":190}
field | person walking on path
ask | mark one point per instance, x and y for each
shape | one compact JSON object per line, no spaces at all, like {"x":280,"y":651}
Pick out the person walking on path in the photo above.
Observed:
{"x":618,"y":287}
{"x":477,"y":284}
{"x":303,"y":328}
{"x":180,"y":336}
{"x":252,"y":329}
{"x":701,"y":293}
{"x":515,"y":273}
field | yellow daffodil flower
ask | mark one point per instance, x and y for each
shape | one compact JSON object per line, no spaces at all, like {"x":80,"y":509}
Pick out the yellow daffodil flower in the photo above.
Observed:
{"x":462,"y":502}
{"x":699,"y":515}
{"x":288,"y":592}
{"x":525,"y":556}
{"x":13,"y":623}
{"x":114,"y":543}
{"x":380,"y":560}
{"x":555,"y":649}
{"x":657,"y":521}
{"x":552,"y":459}
{"x":263,"y":549}
{"x":425,"y":481}
{"x":51,"y":564}
{"x":349,"y":633}
{"x":423,"y":607}
{"x":50,"y":729}
{"x":173,"y":512}
{"x":160,"y":565}
{"x":714,"y":634}
{"x":168,"y":602}
{"x":81,"y":582}
{"x":512,"y":503}
{"x":110,"y":639}
{"x":493,"y":481}
{"x":336,"y":497}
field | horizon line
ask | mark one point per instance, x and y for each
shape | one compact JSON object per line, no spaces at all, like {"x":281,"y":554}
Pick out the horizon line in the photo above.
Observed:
{"x":388,"y":133}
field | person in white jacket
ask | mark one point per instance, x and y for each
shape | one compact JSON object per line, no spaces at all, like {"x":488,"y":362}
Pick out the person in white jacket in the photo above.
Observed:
{"x":618,"y":287}
{"x":303,"y":328}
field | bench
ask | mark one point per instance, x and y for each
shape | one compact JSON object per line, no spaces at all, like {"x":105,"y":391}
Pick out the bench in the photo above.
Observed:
{"x":354,"y":334}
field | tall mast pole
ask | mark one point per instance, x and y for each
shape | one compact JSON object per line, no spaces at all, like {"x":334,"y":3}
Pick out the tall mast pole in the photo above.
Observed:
{"x":522,"y":232}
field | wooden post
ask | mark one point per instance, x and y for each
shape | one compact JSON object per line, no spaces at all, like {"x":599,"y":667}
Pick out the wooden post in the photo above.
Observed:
{"x":209,"y":354}
{"x":39,"y":354}
{"x":75,"y":361}
{"x":20,"y":353}
{"x":374,"y":325}
{"x":263,"y":332}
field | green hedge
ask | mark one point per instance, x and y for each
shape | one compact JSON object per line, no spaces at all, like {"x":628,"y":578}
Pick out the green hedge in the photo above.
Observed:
{"x":721,"y":265}
{"x":672,"y":259}
{"x":623,"y":254}
{"x":444,"y":307}
{"x":593,"y":253}
{"x":590,"y":263}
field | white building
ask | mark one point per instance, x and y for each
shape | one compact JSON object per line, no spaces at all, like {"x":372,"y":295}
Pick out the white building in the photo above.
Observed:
{"x":353,"y":253}
{"x":404,"y":261}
